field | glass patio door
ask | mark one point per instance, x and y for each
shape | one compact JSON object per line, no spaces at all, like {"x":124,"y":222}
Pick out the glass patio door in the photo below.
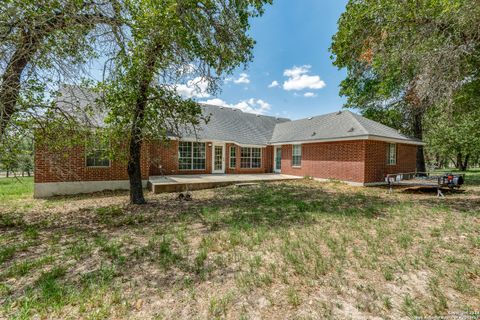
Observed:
{"x":218,"y":159}
{"x":278,"y":159}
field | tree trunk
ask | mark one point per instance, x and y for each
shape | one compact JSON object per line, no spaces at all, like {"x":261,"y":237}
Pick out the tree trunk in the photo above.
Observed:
{"x":418,"y":133}
{"x":458,"y":163}
{"x":464,"y":164}
{"x":11,"y":80}
{"x":134,"y":169}
{"x":135,"y":149}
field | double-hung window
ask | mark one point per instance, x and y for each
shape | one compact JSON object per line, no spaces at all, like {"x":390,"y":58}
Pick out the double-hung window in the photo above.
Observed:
{"x":297,"y":155}
{"x":250,"y":158}
{"x":233,"y":157}
{"x":97,"y":153}
{"x":392,"y":154}
{"x":191,"y":155}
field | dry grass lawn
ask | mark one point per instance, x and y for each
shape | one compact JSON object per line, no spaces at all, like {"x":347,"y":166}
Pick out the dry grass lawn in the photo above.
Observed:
{"x":296,"y":250}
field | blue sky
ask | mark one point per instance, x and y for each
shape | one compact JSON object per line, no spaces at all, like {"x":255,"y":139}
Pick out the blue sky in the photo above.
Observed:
{"x":293,"y":38}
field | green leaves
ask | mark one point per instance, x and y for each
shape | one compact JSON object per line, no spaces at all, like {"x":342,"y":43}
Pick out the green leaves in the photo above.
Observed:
{"x":170,"y":43}
{"x":406,"y":57}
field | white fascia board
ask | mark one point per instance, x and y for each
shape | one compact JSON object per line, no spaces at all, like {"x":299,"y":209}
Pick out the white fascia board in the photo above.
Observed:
{"x":218,"y":141}
{"x":355,"y":138}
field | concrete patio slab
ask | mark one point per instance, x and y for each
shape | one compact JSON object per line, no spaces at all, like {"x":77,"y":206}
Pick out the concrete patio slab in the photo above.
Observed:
{"x":179,"y":183}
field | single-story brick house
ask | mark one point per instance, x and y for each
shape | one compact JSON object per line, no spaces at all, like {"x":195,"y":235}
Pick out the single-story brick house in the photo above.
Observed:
{"x":340,"y":145}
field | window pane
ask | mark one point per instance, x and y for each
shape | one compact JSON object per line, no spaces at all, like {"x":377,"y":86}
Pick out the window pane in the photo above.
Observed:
{"x":392,"y":154}
{"x":97,"y":153}
{"x":184,"y":164}
{"x":256,"y":157}
{"x":297,"y":155}
{"x":198,"y":164}
{"x":297,"y":150}
{"x":245,"y":152}
{"x":245,"y":157}
{"x":90,"y":161}
{"x":233,"y":157}
{"x":199,"y":150}
{"x":191,"y":155}
{"x":250,"y":157}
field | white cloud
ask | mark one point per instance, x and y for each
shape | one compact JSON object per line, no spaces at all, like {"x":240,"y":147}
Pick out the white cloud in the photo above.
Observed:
{"x":257,"y":106}
{"x":274,"y":84}
{"x":299,"y":79}
{"x":195,"y":88}
{"x":309,"y":95}
{"x":243,"y":78}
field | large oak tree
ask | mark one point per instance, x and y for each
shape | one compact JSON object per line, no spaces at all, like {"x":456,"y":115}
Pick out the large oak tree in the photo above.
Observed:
{"x":170,"y":42}
{"x":404,"y":57}
{"x":44,"y":43}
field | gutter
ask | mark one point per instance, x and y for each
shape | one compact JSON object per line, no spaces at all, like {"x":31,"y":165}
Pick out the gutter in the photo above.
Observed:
{"x":362,"y":137}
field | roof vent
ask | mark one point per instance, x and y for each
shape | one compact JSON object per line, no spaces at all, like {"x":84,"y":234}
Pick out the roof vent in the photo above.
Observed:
{"x":310,"y":118}
{"x":351,"y":129}
{"x":221,"y":107}
{"x":258,"y":115}
{"x":314,"y":133}
{"x":339,"y":112}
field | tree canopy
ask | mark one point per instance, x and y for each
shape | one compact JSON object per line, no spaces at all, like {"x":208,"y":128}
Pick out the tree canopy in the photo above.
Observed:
{"x":169,"y":42}
{"x":43,"y":44}
{"x":404,"y":57}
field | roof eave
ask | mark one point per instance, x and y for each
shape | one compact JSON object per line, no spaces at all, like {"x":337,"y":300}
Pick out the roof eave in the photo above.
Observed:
{"x":360,"y":137}
{"x":191,"y":139}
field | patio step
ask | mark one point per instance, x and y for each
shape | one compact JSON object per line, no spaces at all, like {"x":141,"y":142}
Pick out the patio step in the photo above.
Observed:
{"x":198,"y":182}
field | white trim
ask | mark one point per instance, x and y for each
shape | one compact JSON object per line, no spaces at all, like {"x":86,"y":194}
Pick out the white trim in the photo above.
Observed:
{"x":355,"y":138}
{"x":391,"y":161}
{"x":364,"y":137}
{"x":219,"y":142}
{"x":230,"y":157}
{"x":50,"y":189}
{"x":275,"y":169}
{"x":293,"y":155}
{"x":191,"y":166}
{"x":96,"y":167}
{"x":251,"y":157}
{"x":223,"y":157}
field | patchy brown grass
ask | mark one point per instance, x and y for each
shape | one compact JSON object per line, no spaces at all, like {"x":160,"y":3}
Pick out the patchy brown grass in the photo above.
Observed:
{"x":300,"y":249}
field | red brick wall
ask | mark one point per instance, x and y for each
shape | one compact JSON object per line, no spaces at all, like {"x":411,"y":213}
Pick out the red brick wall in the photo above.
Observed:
{"x":266,"y":166}
{"x":69,"y":165}
{"x":358,"y":161}
{"x":376,"y":161}
{"x":328,"y":160}
{"x":166,"y":155}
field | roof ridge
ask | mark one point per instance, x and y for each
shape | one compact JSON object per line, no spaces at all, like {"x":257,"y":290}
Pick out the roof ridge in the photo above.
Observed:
{"x":244,"y":112}
{"x":354,"y":117}
{"x":316,"y":116}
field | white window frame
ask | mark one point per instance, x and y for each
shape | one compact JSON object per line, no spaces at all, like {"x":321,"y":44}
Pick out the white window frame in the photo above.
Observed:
{"x":234,"y":158}
{"x":298,"y":148}
{"x":192,"y":157}
{"x":95,"y":147}
{"x":392,"y":154}
{"x":251,"y":157}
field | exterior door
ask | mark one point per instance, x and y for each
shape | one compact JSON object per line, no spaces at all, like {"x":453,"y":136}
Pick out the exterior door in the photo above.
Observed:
{"x":218,"y":157}
{"x":278,"y":159}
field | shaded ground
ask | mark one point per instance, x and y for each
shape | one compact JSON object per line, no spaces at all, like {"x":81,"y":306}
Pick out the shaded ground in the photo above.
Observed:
{"x":300,"y":249}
